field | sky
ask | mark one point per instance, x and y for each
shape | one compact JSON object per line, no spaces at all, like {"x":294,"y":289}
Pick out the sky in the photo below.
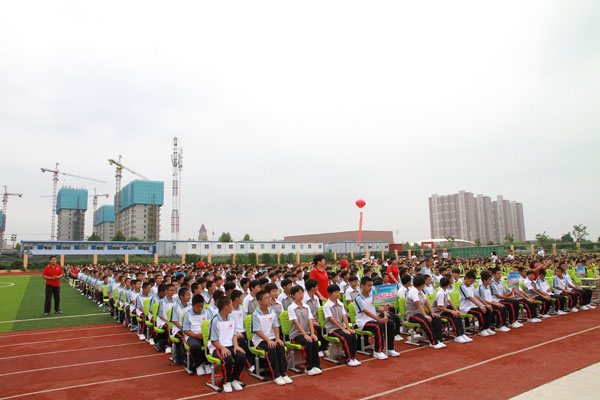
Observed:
{"x":288,"y":112}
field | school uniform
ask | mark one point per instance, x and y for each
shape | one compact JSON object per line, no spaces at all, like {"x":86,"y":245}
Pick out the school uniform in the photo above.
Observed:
{"x":425,"y":270}
{"x":275,"y":356}
{"x":238,"y":316}
{"x":249,"y":304}
{"x":351,"y":294}
{"x":303,"y":314}
{"x":545,"y":287}
{"x":468,"y":307}
{"x":512,"y":306}
{"x":162,"y":339}
{"x":402,"y":291}
{"x":366,"y":323}
{"x":585,"y":294}
{"x":222,"y":331}
{"x":530,"y":286}
{"x":284,"y":300}
{"x":313,"y":304}
{"x":139,"y":304}
{"x":432,"y":329}
{"x":211,"y":311}
{"x":442,"y":298}
{"x":337,"y":311}
{"x":500,"y":313}
{"x":428,"y":290}
{"x":193,"y":322}
{"x":178,"y":312}
{"x":559,"y":285}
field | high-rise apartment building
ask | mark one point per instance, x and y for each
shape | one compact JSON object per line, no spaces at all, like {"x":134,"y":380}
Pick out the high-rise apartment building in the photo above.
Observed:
{"x":468,"y":217}
{"x":71,"y":205}
{"x":139,"y":213}
{"x":104,"y":222}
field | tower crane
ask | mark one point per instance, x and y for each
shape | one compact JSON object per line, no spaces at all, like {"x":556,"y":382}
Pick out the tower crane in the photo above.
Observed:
{"x":4,"y":204}
{"x":55,"y":172}
{"x":118,"y":176}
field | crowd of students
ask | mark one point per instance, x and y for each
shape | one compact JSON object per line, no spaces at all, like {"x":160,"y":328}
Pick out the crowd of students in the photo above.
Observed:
{"x":443,"y":297}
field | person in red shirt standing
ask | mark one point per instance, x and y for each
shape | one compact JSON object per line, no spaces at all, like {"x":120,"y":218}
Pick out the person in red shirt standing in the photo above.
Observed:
{"x":319,"y":274}
{"x":52,"y":274}
{"x":393,"y":271}
{"x":344,"y":262}
{"x":200,"y":263}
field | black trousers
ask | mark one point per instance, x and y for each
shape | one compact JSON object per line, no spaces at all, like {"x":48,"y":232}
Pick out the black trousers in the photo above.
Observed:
{"x":233,"y":364}
{"x":545,"y":304}
{"x":432,"y":329}
{"x":311,"y":351}
{"x":52,"y":291}
{"x":585,"y":296}
{"x":319,"y":333}
{"x":178,"y":351}
{"x":530,"y":307}
{"x":348,"y":341}
{"x":572,"y":299}
{"x":161,"y":340}
{"x":275,"y":359}
{"x":512,"y":307}
{"x":379,"y":329}
{"x":560,"y":302}
{"x":500,"y":315}
{"x":484,"y":318}
{"x":455,"y":322}
{"x":198,"y":355}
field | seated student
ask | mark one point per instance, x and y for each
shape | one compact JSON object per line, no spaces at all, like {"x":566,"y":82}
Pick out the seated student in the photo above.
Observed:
{"x":456,"y":277}
{"x":311,"y":299}
{"x":561,"y":287}
{"x":438,"y":275}
{"x":285,"y":298}
{"x":344,"y":281}
{"x":238,"y":315}
{"x":154,"y":298}
{"x":544,"y":287}
{"x":484,"y":295}
{"x":223,"y":344}
{"x":337,"y":324}
{"x":390,"y":312}
{"x":265,"y":327}
{"x":428,"y":288}
{"x":527,"y":302}
{"x":368,"y":320}
{"x":303,"y":332}
{"x":251,"y":302}
{"x":167,"y":303}
{"x":419,"y":311}
{"x":470,"y":305}
{"x":192,"y":330}
{"x":229,"y":287}
{"x":352,"y":291}
{"x":244,"y":287}
{"x":182,"y":305}
{"x":212,"y":309}
{"x":585,"y":294}
{"x":139,"y":308}
{"x":445,"y":307}
{"x":405,"y":284}
{"x":536,"y":294}
{"x":273,"y":292}
{"x":508,"y":299}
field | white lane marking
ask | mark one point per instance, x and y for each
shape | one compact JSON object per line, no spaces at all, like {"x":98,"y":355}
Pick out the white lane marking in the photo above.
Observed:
{"x":62,"y":340}
{"x":67,"y":351}
{"x":6,"y":284}
{"x":67,"y":330}
{"x":48,"y":318}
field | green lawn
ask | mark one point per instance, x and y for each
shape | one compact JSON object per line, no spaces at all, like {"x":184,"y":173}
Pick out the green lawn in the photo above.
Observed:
{"x":22,"y":298}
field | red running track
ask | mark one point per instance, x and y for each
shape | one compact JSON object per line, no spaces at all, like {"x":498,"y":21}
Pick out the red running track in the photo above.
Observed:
{"x":102,"y":361}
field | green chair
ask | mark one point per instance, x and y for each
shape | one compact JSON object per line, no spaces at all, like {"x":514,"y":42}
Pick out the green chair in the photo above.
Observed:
{"x":362,"y":335}
{"x":334,"y":343}
{"x":155,"y":327}
{"x":415,"y":332}
{"x":105,"y":299}
{"x":295,"y":357}
{"x":116,"y":297}
{"x":258,"y":353}
{"x":455,"y":298}
{"x":215,"y":380}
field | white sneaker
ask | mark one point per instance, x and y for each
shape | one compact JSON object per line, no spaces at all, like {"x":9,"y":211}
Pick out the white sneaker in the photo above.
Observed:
{"x":574,"y":309}
{"x":357,"y":362}
{"x":279,"y":380}
{"x":351,"y":363}
{"x":586,"y":308}
{"x":561,"y":312}
{"x":534,"y":320}
{"x":168,"y":350}
{"x":200,"y":370}
{"x":393,"y":353}
{"x":490,"y":331}
{"x":437,"y":346}
{"x":141,"y":337}
{"x":379,"y":356}
{"x":544,"y":316}
{"x":398,"y":338}
{"x":503,"y":329}
{"x":151,"y":342}
{"x":468,"y":339}
{"x":312,"y":372}
{"x":459,"y":339}
{"x":287,"y":379}
{"x":515,"y":325}
{"x":207,"y":369}
{"x":483,"y":333}
{"x":591,"y":306}
{"x":227,"y":388}
{"x":321,"y":354}
{"x":237,"y":385}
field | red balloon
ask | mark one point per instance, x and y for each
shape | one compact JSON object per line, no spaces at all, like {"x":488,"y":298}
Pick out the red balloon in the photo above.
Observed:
{"x":360,"y":203}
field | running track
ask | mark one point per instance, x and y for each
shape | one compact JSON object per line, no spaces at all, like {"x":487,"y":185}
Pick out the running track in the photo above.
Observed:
{"x":107,"y":360}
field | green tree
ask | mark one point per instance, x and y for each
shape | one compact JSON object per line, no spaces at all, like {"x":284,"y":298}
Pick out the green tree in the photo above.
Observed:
{"x":267,"y":258}
{"x":491,"y":243}
{"x":247,"y":238}
{"x":477,"y":242}
{"x":450,"y":240}
{"x":580,"y":232}
{"x":567,"y":237}
{"x":134,"y":239}
{"x":94,"y":237}
{"x":18,"y":246}
{"x":543,"y":239}
{"x":509,"y":239}
{"x":119,"y":237}
{"x":225,"y":237}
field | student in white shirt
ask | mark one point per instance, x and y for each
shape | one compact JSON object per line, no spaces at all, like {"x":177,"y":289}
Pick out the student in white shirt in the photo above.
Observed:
{"x":352,"y":291}
{"x":139,"y":308}
{"x":443,"y":305}
{"x":161,"y":320}
{"x":484,"y":295}
{"x":470,"y":305}
{"x":285,"y":297}
{"x":560,"y":285}
{"x":419,"y":311}
{"x":337,"y":324}
{"x":507,"y":298}
{"x":532,"y":291}
{"x":544,"y":287}
{"x":405,"y":284}
{"x":192,"y":330}
{"x":250,"y":301}
{"x":223,"y":344}
{"x":302,"y":331}
{"x":179,"y":309}
{"x":265,"y":327}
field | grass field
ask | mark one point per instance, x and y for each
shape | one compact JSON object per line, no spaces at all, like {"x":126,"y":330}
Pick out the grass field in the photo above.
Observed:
{"x":22,"y":306}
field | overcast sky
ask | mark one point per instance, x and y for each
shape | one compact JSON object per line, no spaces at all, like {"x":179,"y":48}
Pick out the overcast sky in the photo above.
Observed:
{"x":290,"y":111}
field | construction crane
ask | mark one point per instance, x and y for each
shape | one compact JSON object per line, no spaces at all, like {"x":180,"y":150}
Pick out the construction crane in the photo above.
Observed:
{"x":4,"y":204}
{"x":118,"y":176}
{"x":95,"y":203}
{"x":55,"y":172}
{"x":177,"y":162}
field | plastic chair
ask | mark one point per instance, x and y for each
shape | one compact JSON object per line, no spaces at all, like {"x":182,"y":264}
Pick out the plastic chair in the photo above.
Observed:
{"x":258,"y":353}
{"x":215,"y":379}
{"x":156,"y":328}
{"x":415,"y":333}
{"x":363,"y":335}
{"x":334,"y":343}
{"x":296,"y":349}
{"x":105,"y":298}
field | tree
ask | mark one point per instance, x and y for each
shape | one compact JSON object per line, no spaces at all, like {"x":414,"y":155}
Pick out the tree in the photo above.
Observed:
{"x":225,"y":237}
{"x":580,"y":232}
{"x":450,"y":239}
{"x":119,"y":237}
{"x":134,"y":239}
{"x":477,"y":242}
{"x":94,"y":237}
{"x":567,"y":237}
{"x":491,"y":243}
{"x":543,"y":239}
{"x":509,"y":238}
{"x":18,"y":246}
{"x":247,"y":238}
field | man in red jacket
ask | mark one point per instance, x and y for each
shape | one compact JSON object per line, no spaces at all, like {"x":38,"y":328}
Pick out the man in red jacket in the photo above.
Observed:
{"x":319,"y":274}
{"x":52,"y":274}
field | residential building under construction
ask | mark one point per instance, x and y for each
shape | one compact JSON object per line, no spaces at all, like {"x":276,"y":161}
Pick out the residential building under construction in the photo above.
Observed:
{"x":71,"y":205}
{"x":139,"y":211}
{"x":104,"y":222}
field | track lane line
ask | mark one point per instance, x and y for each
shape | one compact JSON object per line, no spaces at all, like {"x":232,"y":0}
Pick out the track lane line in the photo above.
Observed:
{"x":61,"y":330}
{"x":48,"y":318}
{"x":62,"y":340}
{"x":67,"y":351}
